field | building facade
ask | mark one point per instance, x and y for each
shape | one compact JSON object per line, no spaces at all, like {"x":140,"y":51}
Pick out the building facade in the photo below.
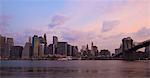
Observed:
{"x":16,"y":52}
{"x":62,"y":48}
{"x":74,"y":51}
{"x":49,"y":50}
{"x":5,"y":46}
{"x":27,"y":50}
{"x":35,"y":45}
{"x":69,"y":50}
{"x":55,"y":44}
{"x":104,"y":53}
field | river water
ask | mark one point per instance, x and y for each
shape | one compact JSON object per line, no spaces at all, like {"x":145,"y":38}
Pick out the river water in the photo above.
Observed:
{"x":74,"y":69}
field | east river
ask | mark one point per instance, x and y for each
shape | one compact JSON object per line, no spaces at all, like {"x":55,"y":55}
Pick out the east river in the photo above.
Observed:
{"x":74,"y":69}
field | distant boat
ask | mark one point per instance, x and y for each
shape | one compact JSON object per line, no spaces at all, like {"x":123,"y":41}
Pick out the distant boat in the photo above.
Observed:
{"x":65,"y":58}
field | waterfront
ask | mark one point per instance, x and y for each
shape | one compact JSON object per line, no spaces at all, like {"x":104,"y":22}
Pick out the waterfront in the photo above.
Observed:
{"x":74,"y":69}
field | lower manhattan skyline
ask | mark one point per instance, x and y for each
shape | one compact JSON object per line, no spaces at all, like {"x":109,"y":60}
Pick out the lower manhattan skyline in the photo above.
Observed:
{"x":74,"y":38}
{"x":102,"y":22}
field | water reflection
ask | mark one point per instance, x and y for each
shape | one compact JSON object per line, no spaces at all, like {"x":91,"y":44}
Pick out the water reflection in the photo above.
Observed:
{"x":77,"y":69}
{"x":40,"y":71}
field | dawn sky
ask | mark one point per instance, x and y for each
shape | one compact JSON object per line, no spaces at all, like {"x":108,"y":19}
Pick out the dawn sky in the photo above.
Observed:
{"x":79,"y":22}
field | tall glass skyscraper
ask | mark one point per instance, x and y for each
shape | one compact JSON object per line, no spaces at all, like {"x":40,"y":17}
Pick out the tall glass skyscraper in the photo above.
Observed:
{"x":35,"y":45}
{"x":55,"y":44}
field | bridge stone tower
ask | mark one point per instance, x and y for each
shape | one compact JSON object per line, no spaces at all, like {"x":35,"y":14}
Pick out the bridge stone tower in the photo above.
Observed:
{"x":127,"y":43}
{"x":147,"y":51}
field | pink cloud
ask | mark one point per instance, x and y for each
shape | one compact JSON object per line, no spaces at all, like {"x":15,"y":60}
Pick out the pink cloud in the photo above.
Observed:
{"x":4,"y":23}
{"x":58,"y":20}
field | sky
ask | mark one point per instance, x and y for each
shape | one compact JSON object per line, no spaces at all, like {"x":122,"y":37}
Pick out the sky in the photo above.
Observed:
{"x":79,"y":22}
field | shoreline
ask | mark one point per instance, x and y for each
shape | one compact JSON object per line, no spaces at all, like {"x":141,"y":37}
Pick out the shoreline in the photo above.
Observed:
{"x":69,"y":60}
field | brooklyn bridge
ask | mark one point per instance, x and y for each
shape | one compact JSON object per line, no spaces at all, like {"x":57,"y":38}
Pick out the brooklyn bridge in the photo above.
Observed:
{"x":128,"y":49}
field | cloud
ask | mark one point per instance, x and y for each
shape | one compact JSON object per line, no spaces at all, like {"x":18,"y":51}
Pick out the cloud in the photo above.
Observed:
{"x":109,"y":25}
{"x":69,"y":36}
{"x":58,"y":20}
{"x":143,"y":32}
{"x":4,"y":22}
{"x":77,"y":37}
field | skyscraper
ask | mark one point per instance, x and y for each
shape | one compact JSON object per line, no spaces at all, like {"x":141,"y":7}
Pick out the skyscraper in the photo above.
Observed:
{"x":87,"y":47}
{"x":104,"y":53}
{"x":45,"y":40}
{"x":69,"y":50}
{"x":95,"y":51}
{"x":16,"y":52}
{"x":5,"y":46}
{"x":88,"y":51}
{"x":49,"y":49}
{"x":91,"y":45}
{"x":92,"y":49}
{"x":42,"y":46}
{"x":10,"y":44}
{"x":27,"y":50}
{"x":41,"y":39}
{"x":10,"y":41}
{"x":29,"y":39}
{"x":2,"y":46}
{"x":62,"y":48}
{"x":74,"y":50}
{"x":55,"y":44}
{"x":35,"y":45}
{"x":41,"y":50}
{"x":45,"y":43}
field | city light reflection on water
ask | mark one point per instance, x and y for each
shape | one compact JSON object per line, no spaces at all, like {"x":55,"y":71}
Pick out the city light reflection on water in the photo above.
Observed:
{"x":74,"y":69}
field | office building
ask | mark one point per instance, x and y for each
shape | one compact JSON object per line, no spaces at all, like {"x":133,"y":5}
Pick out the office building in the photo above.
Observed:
{"x":69,"y":50}
{"x":16,"y":52}
{"x":104,"y":53}
{"x":45,"y":43}
{"x":41,"y":39}
{"x":10,"y":41}
{"x":41,"y":50}
{"x":94,"y":50}
{"x":117,"y":50}
{"x":49,"y":50}
{"x":2,"y":46}
{"x":35,"y":45}
{"x":10,"y":44}
{"x":5,"y":46}
{"x":27,"y":50}
{"x":74,"y":51}
{"x":62,"y":48}
{"x":55,"y":44}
